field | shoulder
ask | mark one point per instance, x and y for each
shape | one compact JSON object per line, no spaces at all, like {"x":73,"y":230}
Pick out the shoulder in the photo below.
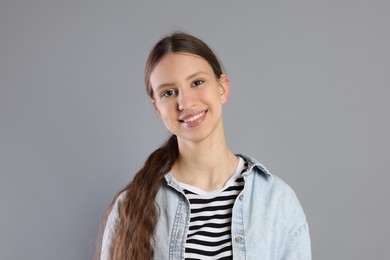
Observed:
{"x":110,"y":226}
{"x":259,"y":173}
{"x":113,"y":212}
{"x":272,"y":190}
{"x":116,"y":204}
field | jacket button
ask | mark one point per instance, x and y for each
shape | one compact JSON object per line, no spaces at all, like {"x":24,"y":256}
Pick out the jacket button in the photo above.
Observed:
{"x":241,"y":197}
{"x":238,"y":239}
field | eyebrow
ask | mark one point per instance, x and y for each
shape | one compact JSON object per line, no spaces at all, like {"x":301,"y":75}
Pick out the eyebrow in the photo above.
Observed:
{"x":196,"y":74}
{"x":193,"y":75}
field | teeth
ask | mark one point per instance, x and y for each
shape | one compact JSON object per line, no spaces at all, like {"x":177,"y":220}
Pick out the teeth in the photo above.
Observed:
{"x":193,"y":118}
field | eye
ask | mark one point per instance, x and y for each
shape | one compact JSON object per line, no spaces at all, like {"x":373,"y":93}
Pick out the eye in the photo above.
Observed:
{"x":168,"y":93}
{"x":197,"y":82}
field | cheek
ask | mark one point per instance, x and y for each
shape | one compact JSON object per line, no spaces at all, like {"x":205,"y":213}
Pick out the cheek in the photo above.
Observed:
{"x":208,"y":92}
{"x":212,"y":96}
{"x":165,"y":117}
{"x":166,"y":110}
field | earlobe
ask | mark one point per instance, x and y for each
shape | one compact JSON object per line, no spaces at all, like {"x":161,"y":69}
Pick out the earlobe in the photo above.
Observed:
{"x":224,"y":87}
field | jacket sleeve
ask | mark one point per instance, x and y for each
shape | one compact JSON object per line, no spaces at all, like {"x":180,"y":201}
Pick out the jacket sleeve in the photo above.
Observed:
{"x":298,"y":245}
{"x":109,"y":230}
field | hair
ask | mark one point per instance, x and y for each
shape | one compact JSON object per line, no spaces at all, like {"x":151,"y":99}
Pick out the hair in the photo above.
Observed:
{"x":180,"y":42}
{"x":138,"y":212}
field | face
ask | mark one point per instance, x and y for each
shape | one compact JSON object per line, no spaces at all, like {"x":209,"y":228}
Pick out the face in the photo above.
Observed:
{"x":188,"y":97}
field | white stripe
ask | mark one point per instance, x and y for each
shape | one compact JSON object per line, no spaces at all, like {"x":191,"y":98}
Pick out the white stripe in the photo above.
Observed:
{"x":210,"y":214}
{"x":214,"y":221}
{"x":213,"y":204}
{"x":211,"y":239}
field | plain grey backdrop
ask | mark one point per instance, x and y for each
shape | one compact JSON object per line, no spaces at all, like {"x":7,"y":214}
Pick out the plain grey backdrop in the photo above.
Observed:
{"x":310,"y":90}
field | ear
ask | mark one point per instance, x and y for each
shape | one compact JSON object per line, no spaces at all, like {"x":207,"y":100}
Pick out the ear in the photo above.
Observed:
{"x":155,"y":107}
{"x":224,"y":87}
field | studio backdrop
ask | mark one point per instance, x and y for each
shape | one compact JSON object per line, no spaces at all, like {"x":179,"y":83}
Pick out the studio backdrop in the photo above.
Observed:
{"x":310,"y":91}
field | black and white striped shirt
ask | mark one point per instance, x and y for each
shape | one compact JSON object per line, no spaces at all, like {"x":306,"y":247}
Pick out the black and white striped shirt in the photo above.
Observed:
{"x":209,"y":235}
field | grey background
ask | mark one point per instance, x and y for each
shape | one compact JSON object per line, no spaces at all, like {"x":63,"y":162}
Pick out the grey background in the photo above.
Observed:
{"x":310,"y":99}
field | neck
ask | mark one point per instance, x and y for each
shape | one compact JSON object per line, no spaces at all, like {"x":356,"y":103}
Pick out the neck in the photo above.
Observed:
{"x":207,"y":164}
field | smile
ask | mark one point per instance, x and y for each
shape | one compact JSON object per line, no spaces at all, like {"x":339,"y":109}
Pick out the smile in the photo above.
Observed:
{"x":193,"y":118}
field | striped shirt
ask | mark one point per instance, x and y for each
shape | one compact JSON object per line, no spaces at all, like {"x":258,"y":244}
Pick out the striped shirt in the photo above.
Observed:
{"x":209,"y":235}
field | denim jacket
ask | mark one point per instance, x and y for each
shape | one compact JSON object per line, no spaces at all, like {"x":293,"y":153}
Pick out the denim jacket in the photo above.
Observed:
{"x":267,"y":221}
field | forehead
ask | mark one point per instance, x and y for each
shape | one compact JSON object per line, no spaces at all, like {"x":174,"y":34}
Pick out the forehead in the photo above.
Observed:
{"x":178,"y":66}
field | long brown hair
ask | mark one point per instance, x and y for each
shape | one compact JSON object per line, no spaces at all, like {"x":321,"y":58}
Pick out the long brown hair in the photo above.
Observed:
{"x":138,"y":212}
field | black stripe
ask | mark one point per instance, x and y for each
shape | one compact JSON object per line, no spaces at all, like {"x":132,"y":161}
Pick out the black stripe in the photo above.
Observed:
{"x":207,"y":253}
{"x":210,"y":234}
{"x":234,"y":188}
{"x":212,"y":208}
{"x":219,"y":198}
{"x":207,"y":243}
{"x":226,"y":258}
{"x":240,"y":182}
{"x":189,"y":192}
{"x":219,"y":216}
{"x":212,"y":225}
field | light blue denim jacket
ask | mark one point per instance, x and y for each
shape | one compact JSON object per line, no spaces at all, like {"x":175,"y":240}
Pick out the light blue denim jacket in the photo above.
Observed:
{"x":267,"y":222}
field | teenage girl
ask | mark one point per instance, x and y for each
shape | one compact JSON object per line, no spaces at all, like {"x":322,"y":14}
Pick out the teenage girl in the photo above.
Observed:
{"x":194,"y":198}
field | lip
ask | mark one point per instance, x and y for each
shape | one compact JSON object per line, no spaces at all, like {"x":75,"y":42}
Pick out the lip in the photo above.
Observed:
{"x":193,"y":119}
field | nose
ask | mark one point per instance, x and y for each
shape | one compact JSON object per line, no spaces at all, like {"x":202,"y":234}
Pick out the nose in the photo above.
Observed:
{"x":185,"y":100}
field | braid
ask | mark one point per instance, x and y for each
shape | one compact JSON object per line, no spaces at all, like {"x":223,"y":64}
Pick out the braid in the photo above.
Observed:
{"x":137,"y":213}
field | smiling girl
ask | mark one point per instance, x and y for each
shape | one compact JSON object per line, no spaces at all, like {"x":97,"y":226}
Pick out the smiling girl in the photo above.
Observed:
{"x":194,"y":198}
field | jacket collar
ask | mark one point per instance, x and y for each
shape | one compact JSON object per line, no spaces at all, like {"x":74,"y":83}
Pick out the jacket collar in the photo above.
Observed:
{"x":252,"y":164}
{"x":255,"y":165}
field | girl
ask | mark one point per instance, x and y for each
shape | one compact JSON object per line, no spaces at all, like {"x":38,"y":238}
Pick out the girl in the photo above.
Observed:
{"x":194,"y":198}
